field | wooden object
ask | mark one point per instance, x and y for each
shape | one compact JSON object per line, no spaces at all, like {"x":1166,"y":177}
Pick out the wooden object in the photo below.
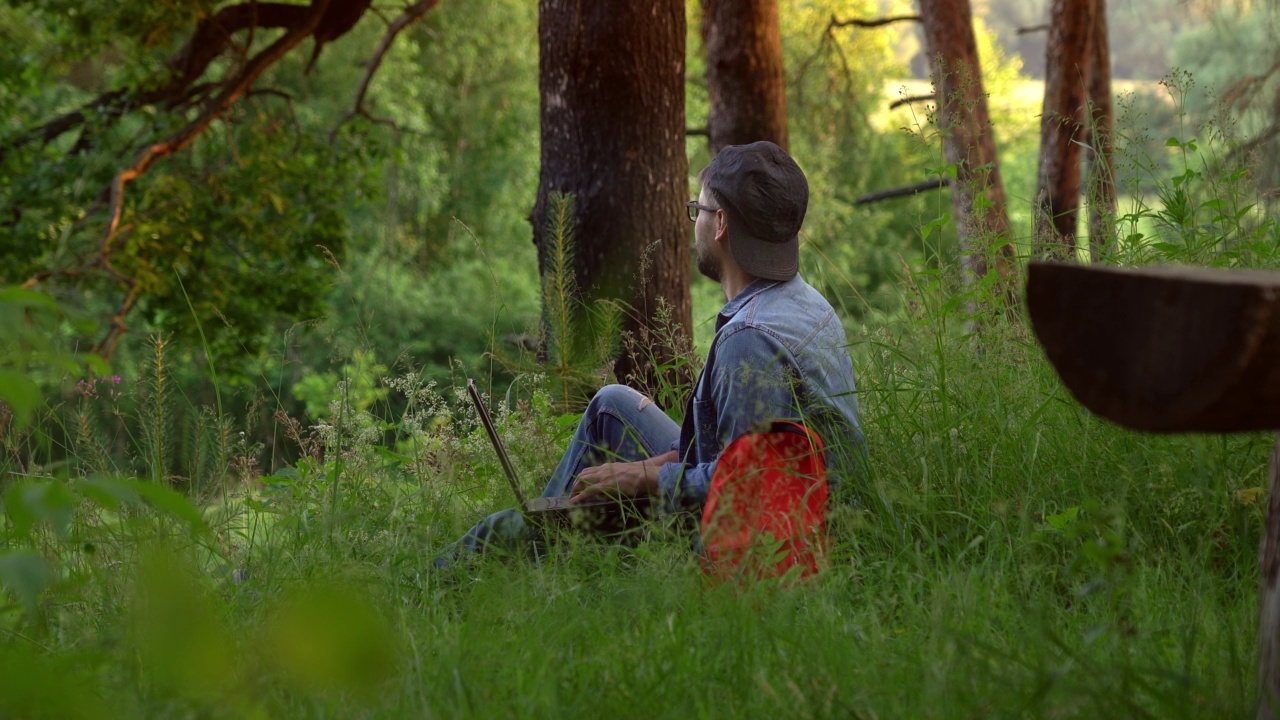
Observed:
{"x":1176,"y":349}
{"x":1163,"y":349}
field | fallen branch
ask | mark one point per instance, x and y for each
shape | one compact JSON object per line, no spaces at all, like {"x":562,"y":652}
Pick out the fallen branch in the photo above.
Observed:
{"x":911,"y":99}
{"x":936,"y":184}
{"x":411,"y":14}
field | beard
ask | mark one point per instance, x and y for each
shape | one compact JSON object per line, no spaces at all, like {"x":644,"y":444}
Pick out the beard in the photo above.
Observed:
{"x":709,"y":265}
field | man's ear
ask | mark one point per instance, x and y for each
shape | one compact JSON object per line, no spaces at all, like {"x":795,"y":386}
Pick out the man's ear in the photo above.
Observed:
{"x":722,"y":226}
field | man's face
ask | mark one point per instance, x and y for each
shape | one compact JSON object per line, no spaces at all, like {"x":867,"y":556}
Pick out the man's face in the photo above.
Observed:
{"x":705,"y":250}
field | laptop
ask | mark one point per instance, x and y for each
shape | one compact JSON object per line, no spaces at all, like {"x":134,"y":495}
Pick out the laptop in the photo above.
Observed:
{"x":598,"y":514}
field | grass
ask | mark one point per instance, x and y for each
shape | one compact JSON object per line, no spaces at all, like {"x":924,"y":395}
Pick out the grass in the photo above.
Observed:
{"x":1010,"y":556}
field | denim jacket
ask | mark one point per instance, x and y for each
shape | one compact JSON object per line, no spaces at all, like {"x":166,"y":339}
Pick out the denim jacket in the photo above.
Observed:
{"x":779,"y":353}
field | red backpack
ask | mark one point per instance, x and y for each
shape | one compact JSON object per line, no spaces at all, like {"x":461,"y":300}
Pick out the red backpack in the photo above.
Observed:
{"x":766,"y":510}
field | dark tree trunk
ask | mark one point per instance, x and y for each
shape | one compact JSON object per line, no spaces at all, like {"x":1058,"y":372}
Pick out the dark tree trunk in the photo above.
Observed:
{"x":611,"y":81}
{"x":744,"y":72}
{"x":968,"y":141}
{"x":1102,"y":188}
{"x":1063,"y":127}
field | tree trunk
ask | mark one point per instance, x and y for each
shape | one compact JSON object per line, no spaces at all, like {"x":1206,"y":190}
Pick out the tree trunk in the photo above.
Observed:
{"x":1062,"y":127}
{"x":744,"y":72}
{"x":1269,"y":603}
{"x":977,"y":195}
{"x":1102,"y":167}
{"x":611,"y":80}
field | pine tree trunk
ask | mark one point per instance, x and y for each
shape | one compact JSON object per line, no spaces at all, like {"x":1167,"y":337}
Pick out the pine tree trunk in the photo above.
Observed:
{"x":745,"y":77}
{"x":611,"y":80}
{"x":1102,"y":188}
{"x":1063,"y":127}
{"x":977,"y":195}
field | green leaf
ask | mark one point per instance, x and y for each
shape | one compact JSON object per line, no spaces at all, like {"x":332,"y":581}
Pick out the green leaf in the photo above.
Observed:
{"x":21,"y":393}
{"x":109,"y":494}
{"x":568,"y":420}
{"x":392,"y":456}
{"x":49,"y":502}
{"x":1172,"y":142}
{"x":329,"y":640}
{"x":172,"y":502}
{"x":1063,"y":520}
{"x":15,"y":506}
{"x":934,"y":224}
{"x":27,"y":298}
{"x":25,"y":574}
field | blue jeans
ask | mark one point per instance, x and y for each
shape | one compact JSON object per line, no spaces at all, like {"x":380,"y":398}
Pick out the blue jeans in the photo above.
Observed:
{"x":619,"y":425}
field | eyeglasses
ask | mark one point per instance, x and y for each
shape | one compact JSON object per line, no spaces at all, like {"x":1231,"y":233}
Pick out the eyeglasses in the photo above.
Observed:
{"x":694,"y":206}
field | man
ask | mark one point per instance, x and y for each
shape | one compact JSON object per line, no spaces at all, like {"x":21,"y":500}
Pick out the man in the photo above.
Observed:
{"x":779,"y":352}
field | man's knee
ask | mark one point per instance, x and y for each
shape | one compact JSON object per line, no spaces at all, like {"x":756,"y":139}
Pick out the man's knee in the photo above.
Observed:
{"x":618,"y":399}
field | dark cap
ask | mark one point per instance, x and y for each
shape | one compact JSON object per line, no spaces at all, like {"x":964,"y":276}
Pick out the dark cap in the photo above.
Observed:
{"x":766,"y":195}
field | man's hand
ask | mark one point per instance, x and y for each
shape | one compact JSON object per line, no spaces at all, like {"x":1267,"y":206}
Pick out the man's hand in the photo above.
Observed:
{"x":621,"y":480}
{"x":627,"y":479}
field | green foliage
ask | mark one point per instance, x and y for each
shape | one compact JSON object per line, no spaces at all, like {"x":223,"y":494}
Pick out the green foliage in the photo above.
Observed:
{"x":33,"y":352}
{"x":1197,"y":202}
{"x":359,"y":386}
{"x":238,"y":217}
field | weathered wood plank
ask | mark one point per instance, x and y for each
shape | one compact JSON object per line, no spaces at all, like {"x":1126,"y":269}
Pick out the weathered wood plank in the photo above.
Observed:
{"x":1163,"y":349}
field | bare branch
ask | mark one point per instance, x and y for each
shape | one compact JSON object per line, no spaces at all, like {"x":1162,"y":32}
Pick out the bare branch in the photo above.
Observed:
{"x":698,"y":132}
{"x":1261,"y":138}
{"x":909,"y":190}
{"x":273,"y":92}
{"x":288,"y":103}
{"x":1033,"y":29}
{"x":911,"y":99}
{"x":1243,"y":92}
{"x":871,"y":23}
{"x":106,"y":347}
{"x":397,"y":127}
{"x":411,"y":14}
